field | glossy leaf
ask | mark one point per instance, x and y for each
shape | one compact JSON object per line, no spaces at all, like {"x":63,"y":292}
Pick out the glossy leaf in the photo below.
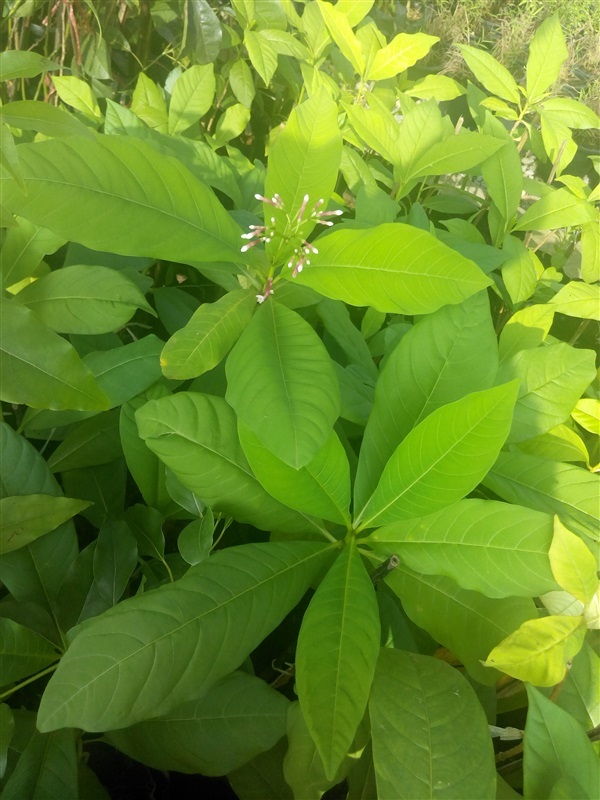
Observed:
{"x":191,"y":97}
{"x":242,"y":82}
{"x":469,"y":624}
{"x":502,"y":171}
{"x":547,"y":53}
{"x":281,"y":383}
{"x":540,"y":650}
{"x":77,"y":94}
{"x":430,"y":735}
{"x":134,"y":201}
{"x":83,"y":299}
{"x":232,"y":123}
{"x":205,"y":33}
{"x":394,"y":268}
{"x":455,"y":154}
{"x":196,"y":436}
{"x":443,"y":458}
{"x":552,"y":379}
{"x":563,"y":489}
{"x":46,"y":768}
{"x":560,"y":209}
{"x":23,"y":248}
{"x":22,"y":651}
{"x":490,"y":73}
{"x":337,"y":651}
{"x":148,"y":103}
{"x":572,"y":563}
{"x":40,"y":368}
{"x":527,"y":328}
{"x":175,"y":642}
{"x":342,"y":34}
{"x":321,"y":488}
{"x":262,"y":54}
{"x":497,"y":549}
{"x":587,"y":414}
{"x":378,"y":129}
{"x":443,"y":357}
{"x":196,"y":539}
{"x":558,"y":444}
{"x":27,"y":517}
{"x":208,"y":336}
{"x":15,"y":64}
{"x":240,"y":717}
{"x":402,"y":52}
{"x":578,"y":299}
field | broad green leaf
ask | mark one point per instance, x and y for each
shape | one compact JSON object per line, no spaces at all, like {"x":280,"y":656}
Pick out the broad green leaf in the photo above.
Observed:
{"x":469,"y":624}
{"x":402,"y":52}
{"x":148,"y":103}
{"x":443,"y":357}
{"x":395,"y":268}
{"x":208,"y":336}
{"x":578,"y":695}
{"x":16,"y":64}
{"x":232,"y":123}
{"x":573,"y":565}
{"x":563,"y":489}
{"x":149,"y":654}
{"x":134,"y":201}
{"x":124,"y":372}
{"x":494,"y":548}
{"x":47,"y":768}
{"x":262,"y":54}
{"x":556,"y":747}
{"x":92,"y":441}
{"x":527,"y":328}
{"x":240,"y":717}
{"x":23,"y":248}
{"x":262,"y":776}
{"x":196,"y":436}
{"x":438,"y":87}
{"x":286,"y":44}
{"x":77,"y":94}
{"x":338,"y":324}
{"x":281,"y":383}
{"x":9,"y":157}
{"x":455,"y":154}
{"x":342,"y":34}
{"x":578,"y":299}
{"x":590,"y":252}
{"x":490,"y":73}
{"x":378,"y":129}
{"x":83,"y":299}
{"x":242,"y":82}
{"x":519,"y":271}
{"x":552,"y":379}
{"x":42,"y":369}
{"x":421,"y":128}
{"x":336,"y":656}
{"x":27,"y":517}
{"x":559,"y":145}
{"x":204,"y":33}
{"x":304,"y":160}
{"x":547,"y":53}
{"x":423,"y":715}
{"x":502,"y":172}
{"x":587,"y":414}
{"x":558,"y":444}
{"x":22,"y":651}
{"x":560,"y":209}
{"x":443,"y":458}
{"x":115,"y":558}
{"x":191,"y":97}
{"x":7,"y":729}
{"x":540,"y":650}
{"x":321,"y":488}
{"x":570,"y":112}
{"x":196,"y":539}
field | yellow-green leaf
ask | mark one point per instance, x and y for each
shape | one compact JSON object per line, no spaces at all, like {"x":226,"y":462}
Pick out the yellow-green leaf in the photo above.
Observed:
{"x":25,"y":518}
{"x":572,"y":563}
{"x":77,"y":94}
{"x":587,"y":414}
{"x":402,"y":52}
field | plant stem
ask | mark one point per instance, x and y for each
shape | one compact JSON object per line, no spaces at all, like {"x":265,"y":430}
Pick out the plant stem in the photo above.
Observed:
{"x":29,"y":680}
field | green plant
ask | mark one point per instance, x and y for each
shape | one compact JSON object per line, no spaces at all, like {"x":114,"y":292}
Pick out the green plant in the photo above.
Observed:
{"x":392,"y":412}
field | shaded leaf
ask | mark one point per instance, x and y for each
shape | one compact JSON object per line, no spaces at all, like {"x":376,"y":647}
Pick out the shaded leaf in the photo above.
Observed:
{"x":27,"y":517}
{"x":22,"y":651}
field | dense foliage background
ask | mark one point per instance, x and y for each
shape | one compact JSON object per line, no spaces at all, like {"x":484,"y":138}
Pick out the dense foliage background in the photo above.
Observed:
{"x":301,"y":411}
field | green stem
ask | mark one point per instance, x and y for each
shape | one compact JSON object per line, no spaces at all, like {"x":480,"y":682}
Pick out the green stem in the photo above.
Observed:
{"x":29,"y":680}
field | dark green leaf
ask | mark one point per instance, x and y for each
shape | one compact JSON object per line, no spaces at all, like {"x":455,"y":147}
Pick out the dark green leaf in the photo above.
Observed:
{"x":22,"y":651}
{"x":24,"y":518}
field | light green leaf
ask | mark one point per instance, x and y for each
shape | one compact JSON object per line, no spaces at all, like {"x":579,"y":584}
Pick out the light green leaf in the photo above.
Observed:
{"x":42,"y":369}
{"x":321,"y":488}
{"x":336,"y":656}
{"x":556,"y":747}
{"x":570,"y":112}
{"x":421,"y":128}
{"x":232,"y":123}
{"x":552,"y":379}
{"x":563,"y":489}
{"x":47,"y":768}
{"x":204,"y":34}
{"x":238,"y":718}
{"x":393,"y":267}
{"x":262,"y":54}
{"x":455,"y":154}
{"x":402,"y":52}
{"x":502,"y":172}
{"x":590,"y":252}
{"x":443,"y":357}
{"x":242,"y":83}
{"x":191,"y":98}
{"x":196,"y":436}
{"x":587,"y":414}
{"x":22,"y":651}
{"x":578,"y":299}
{"x":540,"y":650}
{"x":547,"y":53}
{"x":354,"y":12}
{"x":16,"y":64}
{"x":148,"y":103}
{"x":443,"y":458}
{"x":9,"y":157}
{"x":23,"y":248}
{"x":497,"y":549}
{"x":148,"y":654}
{"x":77,"y":94}
{"x":438,"y":87}
{"x":558,"y":143}
{"x":134,"y":201}
{"x":304,"y":160}
{"x":527,"y":328}
{"x":469,"y":624}
{"x":281,"y":383}
{"x":519,"y":271}
{"x":342,"y":34}
{"x":378,"y":129}
{"x":423,"y":712}
{"x":83,"y":299}
{"x":490,"y":73}
{"x":208,"y":336}
{"x":573,"y":565}
{"x":196,"y":539}
{"x":560,"y":209}
{"x":286,"y":44}
{"x":558,"y":444}
{"x":338,"y":324}
{"x":27,"y":517}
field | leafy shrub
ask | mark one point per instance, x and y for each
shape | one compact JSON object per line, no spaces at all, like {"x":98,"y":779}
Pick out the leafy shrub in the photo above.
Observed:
{"x":345,"y":361}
